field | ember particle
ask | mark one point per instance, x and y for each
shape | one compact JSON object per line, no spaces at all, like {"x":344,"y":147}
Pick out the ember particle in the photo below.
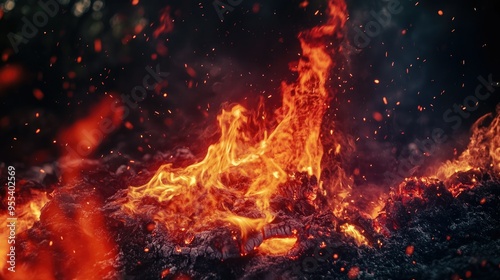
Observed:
{"x":409,"y":250}
{"x":353,"y":272}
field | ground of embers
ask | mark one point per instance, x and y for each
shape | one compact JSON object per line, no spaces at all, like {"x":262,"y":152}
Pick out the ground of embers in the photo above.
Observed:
{"x":424,"y":233}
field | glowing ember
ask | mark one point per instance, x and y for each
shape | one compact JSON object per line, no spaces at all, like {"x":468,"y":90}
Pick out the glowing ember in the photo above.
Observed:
{"x":249,"y":162}
{"x":277,"y":246}
{"x":352,"y":231}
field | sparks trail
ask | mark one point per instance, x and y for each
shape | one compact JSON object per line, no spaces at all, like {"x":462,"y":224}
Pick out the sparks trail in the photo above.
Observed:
{"x":243,"y":170}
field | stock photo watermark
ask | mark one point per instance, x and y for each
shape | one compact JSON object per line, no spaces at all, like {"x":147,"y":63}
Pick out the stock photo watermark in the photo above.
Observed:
{"x":380,"y":21}
{"x":222,"y":8}
{"x":11,"y":218}
{"x":31,"y":27}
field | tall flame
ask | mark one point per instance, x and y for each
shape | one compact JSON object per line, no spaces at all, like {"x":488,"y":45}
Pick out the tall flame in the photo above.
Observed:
{"x":248,"y":163}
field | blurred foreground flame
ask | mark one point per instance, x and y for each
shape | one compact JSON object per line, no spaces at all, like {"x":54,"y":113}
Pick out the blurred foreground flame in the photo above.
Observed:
{"x":71,"y":243}
{"x":84,"y":136}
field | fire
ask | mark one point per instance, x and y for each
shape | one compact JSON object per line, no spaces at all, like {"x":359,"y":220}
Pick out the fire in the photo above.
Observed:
{"x":241,"y":172}
{"x":30,"y":213}
{"x":376,"y":208}
{"x":83,"y":228}
{"x":483,"y":150}
{"x":84,"y":136}
{"x":71,"y":243}
{"x":352,"y":231}
{"x":277,"y":246}
{"x":27,"y":214}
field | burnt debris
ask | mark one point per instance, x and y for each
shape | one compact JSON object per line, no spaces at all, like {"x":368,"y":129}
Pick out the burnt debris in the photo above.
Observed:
{"x":424,"y":232}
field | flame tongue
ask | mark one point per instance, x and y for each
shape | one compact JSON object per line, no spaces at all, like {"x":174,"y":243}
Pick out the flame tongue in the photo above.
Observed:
{"x":235,"y":181}
{"x":483,"y":150}
{"x":295,"y":141}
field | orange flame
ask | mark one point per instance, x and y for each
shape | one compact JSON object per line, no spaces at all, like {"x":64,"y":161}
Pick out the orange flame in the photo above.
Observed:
{"x":27,"y":214}
{"x":482,"y":151}
{"x":352,"y":231}
{"x":248,"y":163}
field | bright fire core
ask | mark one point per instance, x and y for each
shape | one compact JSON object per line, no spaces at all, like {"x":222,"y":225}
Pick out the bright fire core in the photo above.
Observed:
{"x":243,"y":170}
